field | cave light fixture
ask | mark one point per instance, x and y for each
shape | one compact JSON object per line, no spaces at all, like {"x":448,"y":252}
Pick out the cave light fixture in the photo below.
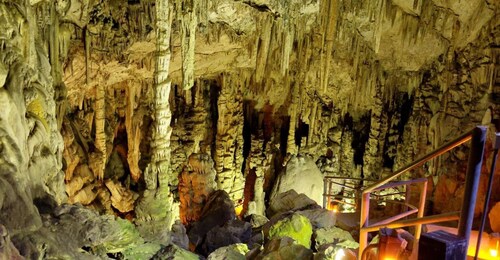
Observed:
{"x":494,"y":245}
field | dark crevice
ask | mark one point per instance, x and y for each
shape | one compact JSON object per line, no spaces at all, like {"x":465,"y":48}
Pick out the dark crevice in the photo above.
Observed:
{"x":361,"y":133}
{"x":214,"y":115}
{"x":247,"y":131}
{"x":284,"y":129}
{"x":401,"y":113}
{"x":262,"y":8}
{"x":405,"y":110}
{"x":301,"y":131}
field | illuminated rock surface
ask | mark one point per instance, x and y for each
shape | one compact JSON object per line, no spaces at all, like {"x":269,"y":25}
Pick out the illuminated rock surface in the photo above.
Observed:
{"x":296,"y":227}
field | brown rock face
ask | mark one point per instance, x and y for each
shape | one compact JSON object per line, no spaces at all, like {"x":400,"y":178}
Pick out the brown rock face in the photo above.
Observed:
{"x":196,"y":183}
{"x":494,"y":217}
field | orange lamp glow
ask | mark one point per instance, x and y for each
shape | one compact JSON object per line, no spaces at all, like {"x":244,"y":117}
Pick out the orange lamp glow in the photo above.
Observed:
{"x":333,"y":207}
{"x":494,"y":244}
{"x":238,"y":209}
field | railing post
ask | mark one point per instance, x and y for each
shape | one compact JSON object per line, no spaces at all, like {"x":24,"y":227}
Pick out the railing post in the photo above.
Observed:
{"x":472,"y":182}
{"x":364,"y":213}
{"x":421,"y":208}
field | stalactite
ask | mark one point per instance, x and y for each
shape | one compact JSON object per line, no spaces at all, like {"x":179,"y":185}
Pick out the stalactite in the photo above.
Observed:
{"x":189,"y":23}
{"x":263,"y":44}
{"x":87,"y":55}
{"x":329,"y":25}
{"x":379,"y":22}
{"x":100,"y":135}
{"x":133,"y":124}
{"x":287,"y":49}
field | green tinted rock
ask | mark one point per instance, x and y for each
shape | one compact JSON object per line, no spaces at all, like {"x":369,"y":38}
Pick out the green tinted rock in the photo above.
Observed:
{"x":144,"y":251}
{"x":335,"y":235}
{"x":296,"y":227}
{"x":232,"y":252}
{"x":174,"y":252}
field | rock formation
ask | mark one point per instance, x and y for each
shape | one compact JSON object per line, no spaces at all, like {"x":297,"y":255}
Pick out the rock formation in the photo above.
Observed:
{"x":303,"y":176}
{"x":196,"y":183}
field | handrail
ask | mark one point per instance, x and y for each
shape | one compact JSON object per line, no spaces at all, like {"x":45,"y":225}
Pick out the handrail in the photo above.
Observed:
{"x":411,"y":222}
{"x":399,"y":183}
{"x":439,"y":151}
{"x":477,"y":136}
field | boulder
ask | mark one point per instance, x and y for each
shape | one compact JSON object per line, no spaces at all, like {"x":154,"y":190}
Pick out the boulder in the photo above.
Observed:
{"x":285,"y":248}
{"x":296,"y":227}
{"x":233,"y":232}
{"x":328,"y":252}
{"x":174,"y":252}
{"x":290,"y":201}
{"x":7,"y":249}
{"x":218,"y":210}
{"x":179,"y":235}
{"x":258,"y":220}
{"x":334,"y":235}
{"x":494,"y":216}
{"x":347,"y":221}
{"x":232,"y":252}
{"x":320,"y":218}
{"x":302,"y":175}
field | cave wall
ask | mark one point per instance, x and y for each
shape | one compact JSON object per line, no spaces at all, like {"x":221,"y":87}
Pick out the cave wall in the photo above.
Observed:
{"x":368,"y":86}
{"x":31,"y":144}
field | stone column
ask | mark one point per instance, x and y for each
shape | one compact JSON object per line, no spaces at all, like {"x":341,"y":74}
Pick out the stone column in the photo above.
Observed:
{"x":157,"y":201}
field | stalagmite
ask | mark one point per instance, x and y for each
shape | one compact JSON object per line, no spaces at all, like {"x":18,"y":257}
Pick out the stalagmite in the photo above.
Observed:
{"x":122,"y":199}
{"x":157,"y":201}
{"x":196,"y":183}
{"x":259,"y":161}
{"x":229,"y":140}
{"x":134,"y":135}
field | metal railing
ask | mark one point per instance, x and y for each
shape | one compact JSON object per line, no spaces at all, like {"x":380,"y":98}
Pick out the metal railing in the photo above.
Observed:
{"x":348,"y":186}
{"x":477,"y":136}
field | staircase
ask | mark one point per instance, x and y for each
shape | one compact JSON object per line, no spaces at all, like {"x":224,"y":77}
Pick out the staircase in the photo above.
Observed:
{"x":373,"y":190}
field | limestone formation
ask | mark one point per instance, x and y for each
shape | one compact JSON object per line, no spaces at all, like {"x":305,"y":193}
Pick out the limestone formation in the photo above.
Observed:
{"x":303,"y":176}
{"x":121,"y":199}
{"x":290,"y":201}
{"x":8,"y":251}
{"x":157,"y":201}
{"x":229,"y":140}
{"x":260,"y":162}
{"x":196,"y":183}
